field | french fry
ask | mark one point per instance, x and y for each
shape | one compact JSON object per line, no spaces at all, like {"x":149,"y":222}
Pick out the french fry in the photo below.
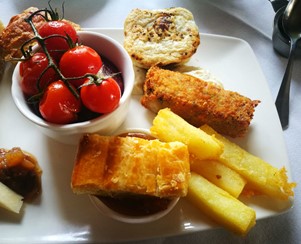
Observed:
{"x":219,"y":174}
{"x":167,"y":126}
{"x":261,"y":176}
{"x":218,"y":204}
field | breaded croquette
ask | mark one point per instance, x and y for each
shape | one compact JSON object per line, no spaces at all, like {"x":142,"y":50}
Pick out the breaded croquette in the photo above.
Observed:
{"x":198,"y":102}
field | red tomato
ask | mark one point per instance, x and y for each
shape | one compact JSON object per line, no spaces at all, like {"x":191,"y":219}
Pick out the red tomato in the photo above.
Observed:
{"x":103,"y":98}
{"x":79,"y":61}
{"x":30,"y":71}
{"x":59,"y":105}
{"x":57,"y":45}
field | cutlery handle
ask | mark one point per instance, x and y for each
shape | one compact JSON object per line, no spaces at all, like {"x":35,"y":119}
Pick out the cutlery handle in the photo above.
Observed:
{"x":282,"y":100}
{"x":277,"y":4}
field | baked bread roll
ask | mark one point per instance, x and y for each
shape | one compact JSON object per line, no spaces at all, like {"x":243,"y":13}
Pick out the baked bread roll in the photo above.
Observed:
{"x":160,"y":37}
{"x":19,"y":31}
{"x":123,"y":166}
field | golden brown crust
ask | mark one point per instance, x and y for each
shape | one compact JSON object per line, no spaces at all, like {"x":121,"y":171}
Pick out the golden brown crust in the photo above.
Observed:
{"x":163,"y":36}
{"x":19,"y":31}
{"x":198,"y":102}
{"x":129,"y":165}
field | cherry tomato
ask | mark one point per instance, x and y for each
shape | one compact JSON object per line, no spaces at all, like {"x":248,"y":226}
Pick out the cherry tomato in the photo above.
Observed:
{"x":30,"y":71}
{"x":102,"y":98}
{"x":57,"y":45}
{"x":59,"y":105}
{"x":79,"y":61}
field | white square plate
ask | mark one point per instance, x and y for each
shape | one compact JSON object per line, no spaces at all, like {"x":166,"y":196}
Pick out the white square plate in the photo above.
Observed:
{"x":59,"y":215}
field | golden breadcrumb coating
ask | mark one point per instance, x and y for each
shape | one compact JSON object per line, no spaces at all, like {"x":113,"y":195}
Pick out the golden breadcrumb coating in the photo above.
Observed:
{"x":198,"y":102}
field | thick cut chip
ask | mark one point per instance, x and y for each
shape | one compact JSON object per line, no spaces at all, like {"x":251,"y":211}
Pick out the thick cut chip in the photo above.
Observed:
{"x":168,"y":127}
{"x":220,"y":205}
{"x":219,"y":174}
{"x":261,"y":176}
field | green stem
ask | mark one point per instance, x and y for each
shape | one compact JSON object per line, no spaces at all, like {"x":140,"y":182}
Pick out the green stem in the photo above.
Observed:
{"x":41,"y":42}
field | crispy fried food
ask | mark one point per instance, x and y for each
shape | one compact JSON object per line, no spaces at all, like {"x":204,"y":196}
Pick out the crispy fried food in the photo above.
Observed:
{"x":169,"y":127}
{"x":219,"y":174}
{"x":122,"y":166}
{"x":195,"y":71}
{"x":198,"y":102}
{"x":220,"y":205}
{"x":19,"y":31}
{"x":261,"y":176}
{"x":204,"y":151}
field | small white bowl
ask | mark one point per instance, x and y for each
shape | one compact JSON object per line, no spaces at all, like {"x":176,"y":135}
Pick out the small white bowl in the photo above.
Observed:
{"x":105,"y":124}
{"x":131,"y":211}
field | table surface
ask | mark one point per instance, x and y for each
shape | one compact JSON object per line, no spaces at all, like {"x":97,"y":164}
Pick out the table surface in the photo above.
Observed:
{"x":251,"y":21}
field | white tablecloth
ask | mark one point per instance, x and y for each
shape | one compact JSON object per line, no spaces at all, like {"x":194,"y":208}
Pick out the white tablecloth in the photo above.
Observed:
{"x":248,"y":20}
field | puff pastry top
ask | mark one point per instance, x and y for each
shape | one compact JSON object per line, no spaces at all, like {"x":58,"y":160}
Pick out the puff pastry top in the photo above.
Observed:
{"x":111,"y":165}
